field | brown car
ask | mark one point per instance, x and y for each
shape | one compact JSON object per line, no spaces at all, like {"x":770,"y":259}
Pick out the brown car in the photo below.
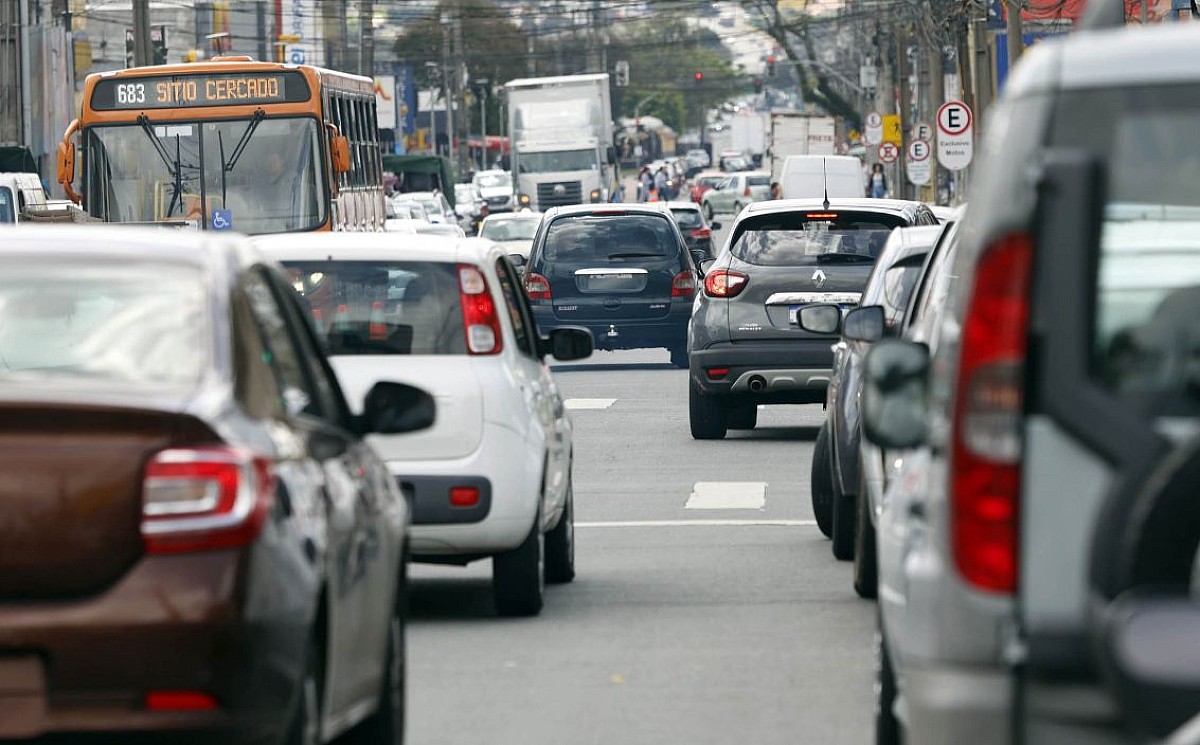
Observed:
{"x":194,"y":540}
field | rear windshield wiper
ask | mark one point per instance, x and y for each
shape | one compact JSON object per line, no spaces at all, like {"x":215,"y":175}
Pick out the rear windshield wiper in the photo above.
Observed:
{"x":844,"y":259}
{"x":635,"y":255}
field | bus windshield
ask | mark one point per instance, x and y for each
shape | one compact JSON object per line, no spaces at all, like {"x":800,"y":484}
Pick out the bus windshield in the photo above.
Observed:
{"x":257,"y":175}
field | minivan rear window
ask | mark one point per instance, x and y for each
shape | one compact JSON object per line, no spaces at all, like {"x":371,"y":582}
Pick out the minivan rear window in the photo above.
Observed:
{"x":382,"y":307}
{"x":587,"y":240}
{"x":758,"y":180}
{"x":816,"y":237}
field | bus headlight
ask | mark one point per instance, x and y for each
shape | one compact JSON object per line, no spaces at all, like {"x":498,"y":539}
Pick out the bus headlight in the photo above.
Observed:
{"x":524,"y":200}
{"x":595,"y":195}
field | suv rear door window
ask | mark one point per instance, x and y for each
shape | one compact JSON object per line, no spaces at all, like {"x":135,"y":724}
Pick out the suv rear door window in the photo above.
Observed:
{"x":814,"y":238}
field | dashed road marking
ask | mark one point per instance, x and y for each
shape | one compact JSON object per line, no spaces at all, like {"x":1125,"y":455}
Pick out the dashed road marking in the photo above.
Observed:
{"x":588,"y":404}
{"x":696,"y":523}
{"x":728,"y":495}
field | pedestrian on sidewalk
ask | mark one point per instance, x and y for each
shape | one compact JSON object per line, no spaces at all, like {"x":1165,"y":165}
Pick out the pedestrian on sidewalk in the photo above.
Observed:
{"x":878,"y":184}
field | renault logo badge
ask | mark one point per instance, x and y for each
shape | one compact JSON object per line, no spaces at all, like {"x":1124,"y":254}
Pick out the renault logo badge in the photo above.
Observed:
{"x":819,"y":278}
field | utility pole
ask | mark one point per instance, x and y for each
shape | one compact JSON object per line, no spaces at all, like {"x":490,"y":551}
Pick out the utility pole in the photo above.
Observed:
{"x":1016,"y":38}
{"x":937,"y":94}
{"x":902,"y":74}
{"x":143,"y":50}
{"x":366,"y":44}
{"x":446,"y":85}
{"x":460,"y":78}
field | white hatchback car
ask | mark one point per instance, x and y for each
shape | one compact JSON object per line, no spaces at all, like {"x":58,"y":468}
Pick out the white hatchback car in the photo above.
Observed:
{"x":492,"y":477}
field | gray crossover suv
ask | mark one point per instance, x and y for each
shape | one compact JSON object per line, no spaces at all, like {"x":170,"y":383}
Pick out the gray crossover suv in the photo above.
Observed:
{"x":746,"y":346}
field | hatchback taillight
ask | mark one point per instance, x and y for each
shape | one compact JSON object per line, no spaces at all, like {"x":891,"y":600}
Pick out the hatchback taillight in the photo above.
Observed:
{"x":480,"y":317}
{"x":702,"y":233}
{"x":201,"y":499}
{"x":724,"y":283}
{"x":746,"y":193}
{"x":985,"y":465}
{"x":537,"y":287}
{"x":684,"y":284}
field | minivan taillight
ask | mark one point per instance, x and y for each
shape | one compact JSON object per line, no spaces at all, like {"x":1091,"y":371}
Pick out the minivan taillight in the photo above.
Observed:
{"x":480,"y":317}
{"x":724,"y":283}
{"x":684,"y":284}
{"x":537,"y":287}
{"x":985,"y":460}
{"x":202,"y":499}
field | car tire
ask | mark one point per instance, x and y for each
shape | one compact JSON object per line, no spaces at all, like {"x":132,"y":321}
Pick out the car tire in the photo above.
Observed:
{"x":560,"y":542}
{"x":706,"y":415}
{"x":866,"y":567}
{"x":887,"y":727}
{"x":305,"y":727}
{"x":386,"y":725}
{"x":708,"y":210}
{"x":843,"y":523}
{"x":742,"y":416}
{"x":679,"y":356}
{"x":821,"y":483}
{"x":518,"y":576}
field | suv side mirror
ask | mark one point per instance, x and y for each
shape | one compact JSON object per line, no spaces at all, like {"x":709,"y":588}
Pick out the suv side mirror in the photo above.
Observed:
{"x":895,"y":394}
{"x":820,"y":319}
{"x":611,"y":154}
{"x":706,"y":266}
{"x":395,"y":408}
{"x":714,"y":225}
{"x":864,"y":324}
{"x":567,"y":344}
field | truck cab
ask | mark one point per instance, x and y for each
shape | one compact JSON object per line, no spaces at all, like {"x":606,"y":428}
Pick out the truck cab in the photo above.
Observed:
{"x":19,"y":192}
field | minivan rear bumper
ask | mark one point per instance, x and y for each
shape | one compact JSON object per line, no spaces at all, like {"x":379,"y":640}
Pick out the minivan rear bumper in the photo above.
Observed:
{"x":669,"y":331}
{"x":793,"y":372}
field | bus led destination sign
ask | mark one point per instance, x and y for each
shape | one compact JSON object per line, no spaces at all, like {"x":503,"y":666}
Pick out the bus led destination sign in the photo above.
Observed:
{"x":187,"y":91}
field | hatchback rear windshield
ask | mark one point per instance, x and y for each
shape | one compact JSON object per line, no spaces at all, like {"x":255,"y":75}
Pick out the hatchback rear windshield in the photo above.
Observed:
{"x":688,"y":219}
{"x":758,"y":180}
{"x":610,"y":239}
{"x":802,"y":239}
{"x":125,"y":324}
{"x":382,"y":307}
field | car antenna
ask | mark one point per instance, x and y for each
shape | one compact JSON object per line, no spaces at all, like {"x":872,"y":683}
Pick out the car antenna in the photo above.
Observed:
{"x":825,"y":180}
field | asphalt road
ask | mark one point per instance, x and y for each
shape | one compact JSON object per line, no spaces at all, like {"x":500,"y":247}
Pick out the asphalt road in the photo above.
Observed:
{"x":707,"y":607}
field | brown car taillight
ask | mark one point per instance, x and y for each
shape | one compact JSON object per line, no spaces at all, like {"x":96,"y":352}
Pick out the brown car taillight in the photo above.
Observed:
{"x":683,"y":284}
{"x":202,"y":499}
{"x":480,"y":318}
{"x":537,"y":287}
{"x":985,"y":463}
{"x":724,"y":283}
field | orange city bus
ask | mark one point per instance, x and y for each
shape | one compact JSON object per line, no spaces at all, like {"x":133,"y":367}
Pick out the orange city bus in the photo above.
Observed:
{"x":228,"y":144}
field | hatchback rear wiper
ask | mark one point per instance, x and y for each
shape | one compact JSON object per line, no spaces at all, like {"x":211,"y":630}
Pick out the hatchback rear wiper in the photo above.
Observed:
{"x":844,"y":259}
{"x":634,"y":255}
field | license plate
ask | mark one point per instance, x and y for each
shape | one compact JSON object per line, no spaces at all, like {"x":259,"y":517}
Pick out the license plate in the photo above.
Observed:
{"x":22,"y":696}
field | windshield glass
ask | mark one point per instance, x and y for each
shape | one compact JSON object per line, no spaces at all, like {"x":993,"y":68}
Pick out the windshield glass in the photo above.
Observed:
{"x":382,"y":307}
{"x":490,"y":180}
{"x":509,"y":230}
{"x":587,"y":239}
{"x":814,"y":238}
{"x":257,"y":176}
{"x":564,"y":160}
{"x":140,"y":324}
{"x":7,"y":213}
{"x":687,"y":218}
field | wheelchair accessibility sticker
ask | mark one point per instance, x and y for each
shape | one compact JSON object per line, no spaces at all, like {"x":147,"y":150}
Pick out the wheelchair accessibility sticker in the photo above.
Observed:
{"x":222,"y":220}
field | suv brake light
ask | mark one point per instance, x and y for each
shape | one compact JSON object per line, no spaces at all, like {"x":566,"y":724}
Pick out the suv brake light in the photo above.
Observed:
{"x":985,"y":464}
{"x":201,"y":499}
{"x":537,"y":287}
{"x":480,"y":318}
{"x":724,"y":283}
{"x":684,"y":284}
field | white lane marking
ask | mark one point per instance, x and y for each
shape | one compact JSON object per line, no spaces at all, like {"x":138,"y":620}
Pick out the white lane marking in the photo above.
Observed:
{"x":728,"y":495}
{"x":589,"y":404}
{"x":696,"y":523}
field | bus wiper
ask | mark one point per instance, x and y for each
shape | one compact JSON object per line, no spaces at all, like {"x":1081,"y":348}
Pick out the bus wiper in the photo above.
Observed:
{"x":238,"y":149}
{"x":173,"y":167}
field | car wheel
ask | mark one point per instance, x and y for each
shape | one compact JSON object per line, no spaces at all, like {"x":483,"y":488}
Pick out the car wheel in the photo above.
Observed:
{"x":843,"y":522}
{"x":305,"y":728}
{"x":386,"y":725}
{"x":708,"y":210}
{"x":518,"y":576}
{"x":887,"y":728}
{"x":742,"y":416}
{"x":866,"y":567}
{"x":706,"y":415}
{"x":821,"y":483}
{"x":560,"y":542}
{"x":679,"y":357}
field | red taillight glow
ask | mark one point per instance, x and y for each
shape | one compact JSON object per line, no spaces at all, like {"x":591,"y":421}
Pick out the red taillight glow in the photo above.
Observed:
{"x":180,"y":701}
{"x":684,"y":284}
{"x":717,"y":373}
{"x":537,"y":287}
{"x":821,"y":216}
{"x":724,"y":283}
{"x":464,"y":496}
{"x":377,"y":327}
{"x":702,"y":233}
{"x":746,"y":193}
{"x":202,"y":499}
{"x":480,"y":317}
{"x":985,"y":465}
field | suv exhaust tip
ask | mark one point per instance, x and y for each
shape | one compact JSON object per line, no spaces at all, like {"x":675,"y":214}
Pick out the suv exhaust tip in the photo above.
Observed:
{"x":757,"y":384}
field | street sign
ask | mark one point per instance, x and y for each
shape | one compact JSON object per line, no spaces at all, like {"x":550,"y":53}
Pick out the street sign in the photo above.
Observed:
{"x":891,"y":129}
{"x":919,"y":166}
{"x":888,"y":152}
{"x":873,"y":134}
{"x":955,"y":141}
{"x":922,"y":131}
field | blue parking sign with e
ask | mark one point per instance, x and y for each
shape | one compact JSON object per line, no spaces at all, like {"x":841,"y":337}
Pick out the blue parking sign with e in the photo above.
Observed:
{"x":222,"y":220}
{"x":296,"y":57}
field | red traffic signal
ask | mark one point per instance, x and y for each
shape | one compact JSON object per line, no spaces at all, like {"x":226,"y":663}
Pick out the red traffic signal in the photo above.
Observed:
{"x":699,"y":77}
{"x":771,"y":66}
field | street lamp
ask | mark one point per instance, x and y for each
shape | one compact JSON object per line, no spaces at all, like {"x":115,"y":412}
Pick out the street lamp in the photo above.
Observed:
{"x":432,"y":69}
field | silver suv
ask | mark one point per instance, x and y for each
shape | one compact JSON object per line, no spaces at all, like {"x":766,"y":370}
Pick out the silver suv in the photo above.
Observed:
{"x":1039,"y":578}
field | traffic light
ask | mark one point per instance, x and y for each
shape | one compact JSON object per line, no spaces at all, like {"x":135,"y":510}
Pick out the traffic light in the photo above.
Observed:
{"x":758,"y":85}
{"x":771,"y":65}
{"x":699,"y":77}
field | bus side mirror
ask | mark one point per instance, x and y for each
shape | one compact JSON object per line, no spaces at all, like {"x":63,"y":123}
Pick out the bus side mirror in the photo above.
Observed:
{"x":66,"y":162}
{"x":339,"y":147}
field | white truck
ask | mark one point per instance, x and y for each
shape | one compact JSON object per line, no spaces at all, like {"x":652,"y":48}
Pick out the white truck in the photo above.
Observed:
{"x":561,"y":136}
{"x":798,"y":133}
{"x":749,"y":133}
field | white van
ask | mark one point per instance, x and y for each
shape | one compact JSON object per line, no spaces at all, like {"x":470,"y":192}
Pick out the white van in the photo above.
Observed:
{"x":18,"y":191}
{"x":815,"y":176}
